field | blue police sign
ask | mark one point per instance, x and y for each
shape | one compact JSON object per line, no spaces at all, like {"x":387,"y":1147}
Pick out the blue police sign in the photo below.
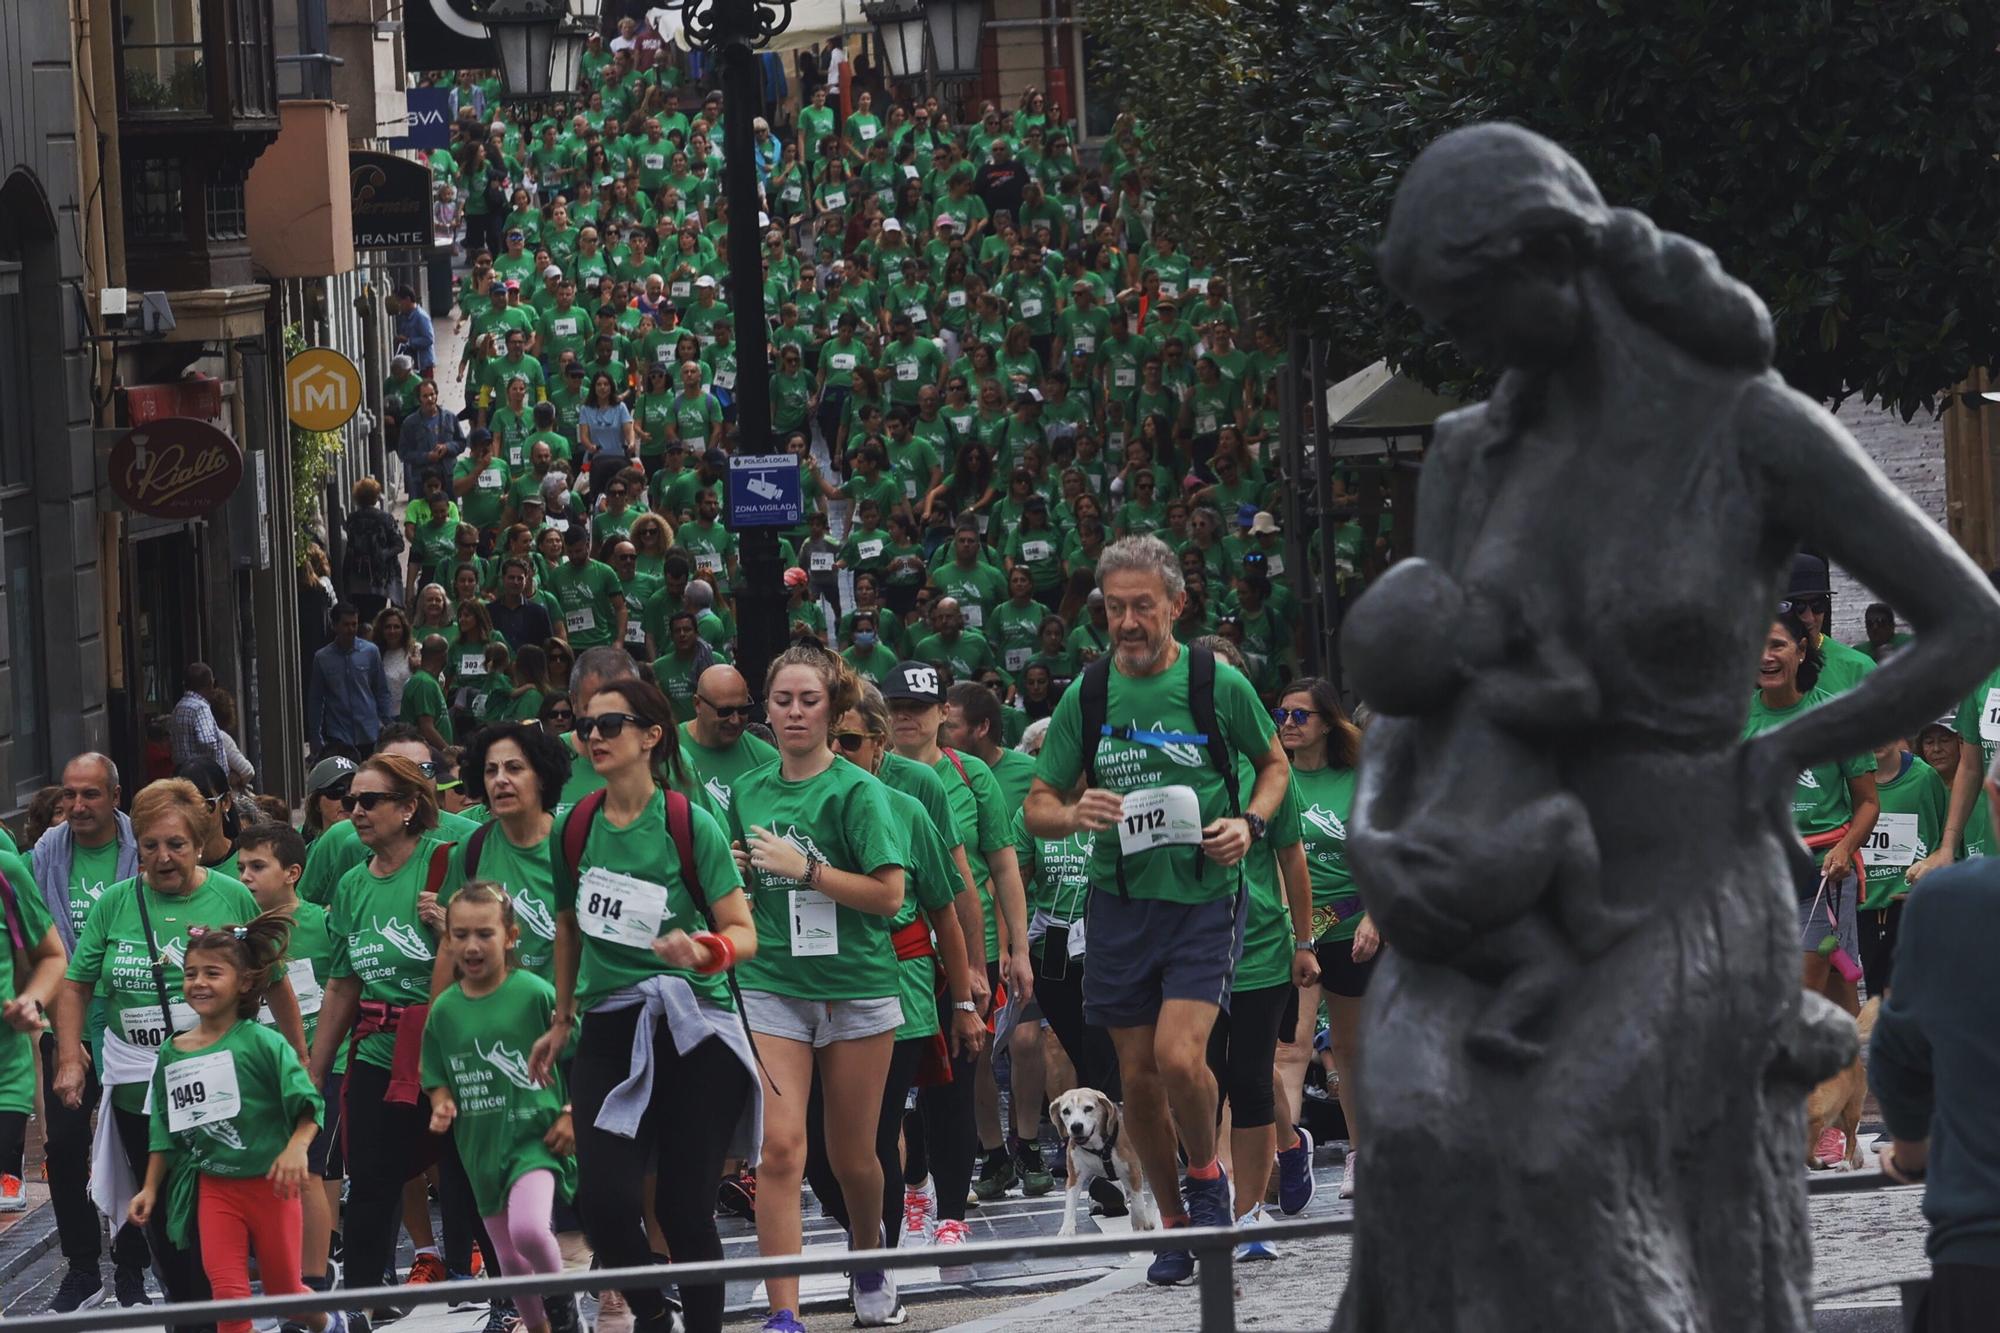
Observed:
{"x":764,"y":491}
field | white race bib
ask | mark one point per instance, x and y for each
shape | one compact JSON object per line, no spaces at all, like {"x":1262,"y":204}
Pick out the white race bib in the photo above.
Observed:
{"x":202,"y":1090}
{"x":305,"y":987}
{"x":869,"y":550}
{"x":843,"y":360}
{"x":1169,"y":288}
{"x":836,"y":199}
{"x":820,"y":562}
{"x":655,"y":162}
{"x":956,"y":300}
{"x":492,"y":479}
{"x":696,"y":441}
{"x":975,"y":614}
{"x":1125,"y":379}
{"x":1204,"y":423}
{"x":563,"y":328}
{"x":1198,"y":285}
{"x":906,"y":371}
{"x":1016,"y":658}
{"x":682,"y":288}
{"x":1989,"y":719}
{"x":620,"y":909}
{"x":1159,"y":817}
{"x":1083,"y":342}
{"x":909,"y":171}
{"x":517,"y":457}
{"x":815,"y":925}
{"x":1892,"y":842}
{"x":580,"y":621}
{"x":909,"y":489}
{"x":708,"y":562}
{"x":725,"y":379}
{"x":1036,"y":551}
{"x":867,"y":132}
{"x":1030,"y":306}
{"x":635,"y":632}
{"x":141,"y":1023}
{"x":1275,"y":563}
{"x":472,"y":664}
{"x":917,"y":315}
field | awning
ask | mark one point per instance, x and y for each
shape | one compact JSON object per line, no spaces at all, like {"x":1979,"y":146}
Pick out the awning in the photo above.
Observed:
{"x":1379,"y":402}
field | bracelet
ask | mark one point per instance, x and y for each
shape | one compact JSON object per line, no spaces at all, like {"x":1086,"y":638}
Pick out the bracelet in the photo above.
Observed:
{"x":723,"y":957}
{"x":813,"y":866}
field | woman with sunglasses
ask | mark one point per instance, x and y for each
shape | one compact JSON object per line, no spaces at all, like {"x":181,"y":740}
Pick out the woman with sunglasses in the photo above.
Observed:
{"x":557,"y":715}
{"x":128,"y":954}
{"x":819,"y":844}
{"x":1324,"y":746}
{"x":635,"y":951}
{"x":218,"y":852}
{"x":562,"y":658}
{"x":923,"y":946}
{"x":384,"y":920}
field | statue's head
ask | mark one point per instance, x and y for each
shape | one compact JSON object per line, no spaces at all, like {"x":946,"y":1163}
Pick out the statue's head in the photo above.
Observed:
{"x":1401,"y":641}
{"x":1494,"y":231}
{"x":1489,"y":230}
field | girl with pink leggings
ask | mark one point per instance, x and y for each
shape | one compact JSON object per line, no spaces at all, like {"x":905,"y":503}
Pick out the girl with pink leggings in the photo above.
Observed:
{"x":512,"y":1133}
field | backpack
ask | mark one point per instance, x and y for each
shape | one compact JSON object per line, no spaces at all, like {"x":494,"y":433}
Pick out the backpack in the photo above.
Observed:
{"x":1094,"y":702}
{"x":373,"y":545}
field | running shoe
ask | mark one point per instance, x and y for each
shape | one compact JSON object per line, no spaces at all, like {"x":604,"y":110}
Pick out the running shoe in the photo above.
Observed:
{"x":737,"y":1196}
{"x":875,"y":1304}
{"x":563,"y":1314}
{"x":1296,"y":1185}
{"x":1831,"y":1150}
{"x":613,"y":1314}
{"x":1347,"y":1177}
{"x":1254,"y":1251}
{"x":1033,"y":1168}
{"x":13,"y":1195}
{"x":128,"y":1283}
{"x":82,"y":1288}
{"x":952,"y":1233}
{"x":478,"y":1262}
{"x":1208,"y":1200}
{"x":919,"y":1212}
{"x":502,"y":1318}
{"x":783,"y":1321}
{"x":1170,"y":1268}
{"x":425,"y":1269}
{"x":996,"y":1177}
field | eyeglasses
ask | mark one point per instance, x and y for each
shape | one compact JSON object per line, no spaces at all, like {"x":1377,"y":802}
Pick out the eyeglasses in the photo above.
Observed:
{"x":429,"y":769}
{"x":366,"y":800}
{"x":728,"y":710}
{"x":1817,"y":605}
{"x":1296,"y":716}
{"x":562,"y":715}
{"x":607,"y":725}
{"x":851,"y":741}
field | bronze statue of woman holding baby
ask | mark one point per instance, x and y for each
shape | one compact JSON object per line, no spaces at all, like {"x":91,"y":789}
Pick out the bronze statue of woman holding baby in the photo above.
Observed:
{"x":1587,"y":1047}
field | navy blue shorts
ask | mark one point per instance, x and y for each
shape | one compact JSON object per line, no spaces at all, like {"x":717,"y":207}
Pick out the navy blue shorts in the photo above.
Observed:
{"x":1144,"y":951}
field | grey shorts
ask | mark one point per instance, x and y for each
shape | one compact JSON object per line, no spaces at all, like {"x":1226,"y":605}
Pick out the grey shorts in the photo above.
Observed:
{"x":1813,"y":923}
{"x":820,"y":1022}
{"x":1144,"y":952}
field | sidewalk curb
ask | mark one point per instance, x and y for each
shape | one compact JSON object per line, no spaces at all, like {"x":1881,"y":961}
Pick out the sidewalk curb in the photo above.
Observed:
{"x":15,"y":1262}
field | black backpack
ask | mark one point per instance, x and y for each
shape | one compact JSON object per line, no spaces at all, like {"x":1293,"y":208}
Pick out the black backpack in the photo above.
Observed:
{"x":373,"y":545}
{"x":1094,"y":702}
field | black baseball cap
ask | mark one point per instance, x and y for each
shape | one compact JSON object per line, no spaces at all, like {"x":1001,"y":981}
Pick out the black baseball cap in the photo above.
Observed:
{"x":913,"y":680}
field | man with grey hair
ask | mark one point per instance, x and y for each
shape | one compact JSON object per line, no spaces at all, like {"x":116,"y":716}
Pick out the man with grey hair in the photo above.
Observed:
{"x":1155,"y":769}
{"x":700,"y":599}
{"x":74,"y":863}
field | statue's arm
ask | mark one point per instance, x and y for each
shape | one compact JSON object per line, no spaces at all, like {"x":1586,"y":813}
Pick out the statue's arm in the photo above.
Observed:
{"x":1446,"y":462}
{"x":1820,"y":490}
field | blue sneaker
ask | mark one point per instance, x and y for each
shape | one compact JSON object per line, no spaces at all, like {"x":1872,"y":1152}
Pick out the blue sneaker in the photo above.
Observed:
{"x":783,"y":1321}
{"x":1254,"y":1251}
{"x":1170,"y":1268}
{"x":1295,"y":1175}
{"x":1208,"y":1200}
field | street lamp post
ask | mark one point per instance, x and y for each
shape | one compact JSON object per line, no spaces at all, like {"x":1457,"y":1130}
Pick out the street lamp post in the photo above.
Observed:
{"x":733,"y":31}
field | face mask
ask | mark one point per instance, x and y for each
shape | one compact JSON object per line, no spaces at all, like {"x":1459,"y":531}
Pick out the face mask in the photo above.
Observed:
{"x":864,"y":638}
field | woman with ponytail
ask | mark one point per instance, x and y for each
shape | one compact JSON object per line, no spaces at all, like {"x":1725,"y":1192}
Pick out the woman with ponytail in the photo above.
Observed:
{"x":232,"y":1116}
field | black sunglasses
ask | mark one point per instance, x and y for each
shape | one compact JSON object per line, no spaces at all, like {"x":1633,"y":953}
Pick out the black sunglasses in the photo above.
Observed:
{"x":607,"y":725}
{"x":850,"y":741}
{"x":1817,"y":605}
{"x":367,"y":800}
{"x":730,"y":710}
{"x":1296,"y":716}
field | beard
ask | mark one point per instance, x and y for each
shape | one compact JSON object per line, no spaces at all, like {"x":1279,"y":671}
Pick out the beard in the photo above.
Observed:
{"x":1142,"y":656}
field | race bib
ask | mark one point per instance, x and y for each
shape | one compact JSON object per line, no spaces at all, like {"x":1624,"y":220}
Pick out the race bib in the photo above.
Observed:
{"x":620,"y":909}
{"x":869,"y":550}
{"x":492,"y":479}
{"x":1275,"y":563}
{"x":1989,"y":719}
{"x":906,"y":371}
{"x":1033,"y":552}
{"x":1031,"y":306}
{"x":654,"y":162}
{"x":956,"y":300}
{"x":1169,"y":288}
{"x":1016,"y":658}
{"x":564,"y":328}
{"x":843,"y":360}
{"x":517,"y":457}
{"x":305,"y":987}
{"x":815,"y":926}
{"x":820,"y":562}
{"x":917,"y":316}
{"x":790,"y":194}
{"x":472,"y":664}
{"x":1125,"y":379}
{"x":909,"y":489}
{"x":1198,"y":285}
{"x":635,"y":632}
{"x":1083,"y":342}
{"x":708,"y":562}
{"x":975,"y":614}
{"x":909,"y":171}
{"x":867,"y":132}
{"x":202,"y":1090}
{"x":580,"y":621}
{"x":681,"y":288}
{"x":142,"y":1027}
{"x":1892,"y":842}
{"x":725,"y":379}
{"x":836,"y":199}
{"x":1159,"y":817}
{"x":1204,"y":424}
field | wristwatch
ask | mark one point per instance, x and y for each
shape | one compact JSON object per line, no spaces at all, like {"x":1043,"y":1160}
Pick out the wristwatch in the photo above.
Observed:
{"x":966,"y":1005}
{"x":1256,"y":823}
{"x":1306,"y":946}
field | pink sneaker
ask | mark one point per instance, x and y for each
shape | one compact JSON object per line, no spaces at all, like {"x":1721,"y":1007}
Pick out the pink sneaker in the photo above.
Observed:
{"x":1831,"y":1150}
{"x":919,"y":1210}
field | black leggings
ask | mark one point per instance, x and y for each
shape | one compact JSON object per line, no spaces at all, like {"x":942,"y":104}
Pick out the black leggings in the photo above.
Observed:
{"x":1243,"y":1049}
{"x":697,"y":1099}
{"x":460,"y":1211}
{"x":888,"y":1130}
{"x":1088,"y":1046}
{"x":386,"y":1145}
{"x":13,"y":1141}
{"x":68,"y":1154}
{"x":180,"y":1272}
{"x":941,"y":1135}
{"x":1878,"y":945}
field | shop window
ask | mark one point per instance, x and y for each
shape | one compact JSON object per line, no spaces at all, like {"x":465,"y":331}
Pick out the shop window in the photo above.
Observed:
{"x":252,"y":73}
{"x":153,"y":206}
{"x":225,"y":210}
{"x":165,"y":66}
{"x":17,"y":416}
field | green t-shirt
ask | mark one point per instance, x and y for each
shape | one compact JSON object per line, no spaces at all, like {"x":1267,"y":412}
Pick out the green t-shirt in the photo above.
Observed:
{"x":527,"y":875}
{"x":717,"y":770}
{"x":1843,"y":668}
{"x":378,"y":938}
{"x":1821,"y":801}
{"x":486,"y":502}
{"x":1267,"y":931}
{"x":92,"y":870}
{"x":227,"y":1109}
{"x":966,"y":657}
{"x":1015,"y":772}
{"x":985,"y":823}
{"x":1326,"y":799}
{"x":628,"y":890}
{"x":477,"y":1048}
{"x":1015,"y":632}
{"x":1055,"y":872}
{"x":930,"y":885}
{"x":424,"y":697}
{"x":1911,"y":824}
{"x":17,"y":1049}
{"x":585,"y":593}
{"x":114,"y":957}
{"x":308,"y":963}
{"x":1979,"y":721}
{"x":1163,"y":860}
{"x":809,"y":947}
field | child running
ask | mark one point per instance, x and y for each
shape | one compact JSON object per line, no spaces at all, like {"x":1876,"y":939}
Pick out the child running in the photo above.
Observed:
{"x":232,"y":1115}
{"x":513,"y":1134}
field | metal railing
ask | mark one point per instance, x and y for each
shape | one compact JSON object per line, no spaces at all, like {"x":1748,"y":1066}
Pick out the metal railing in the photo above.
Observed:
{"x":1213,"y":1247}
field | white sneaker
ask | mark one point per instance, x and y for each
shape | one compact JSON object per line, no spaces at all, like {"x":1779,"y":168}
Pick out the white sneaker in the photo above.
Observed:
{"x":1254,"y":1251}
{"x":1347,"y":1177}
{"x":951,"y":1233}
{"x":919,"y":1213}
{"x":13,"y":1195}
{"x":875,"y":1299}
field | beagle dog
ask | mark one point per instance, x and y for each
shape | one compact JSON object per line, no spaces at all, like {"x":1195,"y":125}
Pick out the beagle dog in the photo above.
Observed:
{"x":1095,"y":1144}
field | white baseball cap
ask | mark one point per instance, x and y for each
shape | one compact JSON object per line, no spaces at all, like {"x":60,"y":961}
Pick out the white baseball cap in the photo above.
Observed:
{"x":893,"y":224}
{"x":704,"y":281}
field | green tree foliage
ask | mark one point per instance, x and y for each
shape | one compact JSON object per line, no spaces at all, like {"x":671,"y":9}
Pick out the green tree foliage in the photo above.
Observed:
{"x":1838,"y":157}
